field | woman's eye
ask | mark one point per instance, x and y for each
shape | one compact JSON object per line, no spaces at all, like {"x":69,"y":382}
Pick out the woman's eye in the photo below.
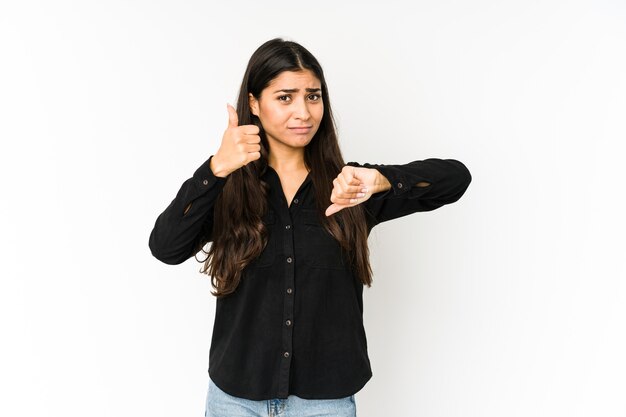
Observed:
{"x":280,"y":98}
{"x":315,"y":97}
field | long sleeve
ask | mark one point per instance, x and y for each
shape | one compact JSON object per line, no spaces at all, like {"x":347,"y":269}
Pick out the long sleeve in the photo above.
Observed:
{"x":448,"y":179}
{"x":177,"y":235}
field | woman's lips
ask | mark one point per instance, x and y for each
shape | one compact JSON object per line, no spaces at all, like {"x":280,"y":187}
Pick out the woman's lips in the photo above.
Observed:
{"x":301,"y":130}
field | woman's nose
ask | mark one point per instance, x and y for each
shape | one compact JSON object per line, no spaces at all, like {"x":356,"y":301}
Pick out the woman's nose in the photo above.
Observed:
{"x":302,"y":111}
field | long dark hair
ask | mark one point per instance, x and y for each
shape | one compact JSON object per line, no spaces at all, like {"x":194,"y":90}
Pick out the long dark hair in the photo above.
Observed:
{"x":239,"y":235}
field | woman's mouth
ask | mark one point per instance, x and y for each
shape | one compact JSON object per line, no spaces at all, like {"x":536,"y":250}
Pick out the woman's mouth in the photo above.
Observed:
{"x":301,"y":129}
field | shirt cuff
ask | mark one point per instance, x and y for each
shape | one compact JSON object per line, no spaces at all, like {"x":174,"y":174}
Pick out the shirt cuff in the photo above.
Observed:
{"x":205,"y":178}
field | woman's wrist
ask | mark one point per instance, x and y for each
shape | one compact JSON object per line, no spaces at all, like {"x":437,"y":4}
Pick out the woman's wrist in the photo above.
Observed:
{"x":217,"y":169}
{"x":381,"y":183}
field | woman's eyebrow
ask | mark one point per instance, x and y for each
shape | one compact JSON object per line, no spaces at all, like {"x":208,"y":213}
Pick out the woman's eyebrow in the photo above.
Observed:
{"x":295,"y":90}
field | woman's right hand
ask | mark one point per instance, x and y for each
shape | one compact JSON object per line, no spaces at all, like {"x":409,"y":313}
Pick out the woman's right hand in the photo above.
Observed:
{"x":240,"y":146}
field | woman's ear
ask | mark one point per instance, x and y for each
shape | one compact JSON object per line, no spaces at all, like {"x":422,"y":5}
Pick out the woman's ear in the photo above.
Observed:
{"x":254,"y":104}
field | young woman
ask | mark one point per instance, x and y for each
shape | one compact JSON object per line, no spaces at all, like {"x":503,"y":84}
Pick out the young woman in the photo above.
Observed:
{"x":288,"y":222}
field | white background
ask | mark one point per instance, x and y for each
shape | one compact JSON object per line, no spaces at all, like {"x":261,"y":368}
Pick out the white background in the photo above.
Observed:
{"x":510,"y":302}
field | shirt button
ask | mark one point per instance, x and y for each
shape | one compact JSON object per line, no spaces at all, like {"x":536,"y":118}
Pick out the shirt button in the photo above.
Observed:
{"x":289,"y":260}
{"x":205,"y":182}
{"x":288,"y":322}
{"x":289,"y":290}
{"x":399,"y":185}
{"x":286,"y":354}
{"x":295,"y":200}
{"x":288,"y":227}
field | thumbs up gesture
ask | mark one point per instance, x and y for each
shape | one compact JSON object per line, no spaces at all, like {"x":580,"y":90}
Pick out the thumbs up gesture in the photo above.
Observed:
{"x":240,"y":146}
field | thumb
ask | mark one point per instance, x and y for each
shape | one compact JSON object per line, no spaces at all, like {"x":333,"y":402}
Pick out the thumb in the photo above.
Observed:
{"x":332,"y":209}
{"x":233,"y":119}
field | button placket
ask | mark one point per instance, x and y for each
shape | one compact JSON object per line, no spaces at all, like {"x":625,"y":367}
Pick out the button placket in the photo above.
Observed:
{"x":288,"y":306}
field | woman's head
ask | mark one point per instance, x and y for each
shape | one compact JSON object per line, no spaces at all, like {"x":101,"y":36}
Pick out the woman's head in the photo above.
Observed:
{"x":290,"y":109}
{"x":276,"y":65}
{"x":238,"y":233}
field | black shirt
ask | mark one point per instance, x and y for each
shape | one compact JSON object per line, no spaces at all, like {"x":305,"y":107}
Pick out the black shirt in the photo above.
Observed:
{"x":294,"y":325}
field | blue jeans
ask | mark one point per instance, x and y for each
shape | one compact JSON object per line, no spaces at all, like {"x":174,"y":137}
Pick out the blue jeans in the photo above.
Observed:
{"x":221,"y":404}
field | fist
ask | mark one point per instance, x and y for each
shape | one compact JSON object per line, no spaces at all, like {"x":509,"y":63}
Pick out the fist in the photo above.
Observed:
{"x":240,"y":144}
{"x":352,"y":186}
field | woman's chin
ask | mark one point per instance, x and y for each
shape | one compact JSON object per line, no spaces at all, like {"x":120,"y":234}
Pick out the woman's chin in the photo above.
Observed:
{"x":292,"y":141}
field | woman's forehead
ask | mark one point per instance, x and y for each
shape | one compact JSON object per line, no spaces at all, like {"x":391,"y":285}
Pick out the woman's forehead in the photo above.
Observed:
{"x":295,"y":79}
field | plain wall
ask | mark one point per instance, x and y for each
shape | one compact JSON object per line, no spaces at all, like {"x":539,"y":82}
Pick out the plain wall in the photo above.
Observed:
{"x":509,"y":302}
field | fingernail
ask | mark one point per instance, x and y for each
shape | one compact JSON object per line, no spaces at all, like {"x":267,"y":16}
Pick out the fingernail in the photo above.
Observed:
{"x":363,"y":190}
{"x":360,"y":195}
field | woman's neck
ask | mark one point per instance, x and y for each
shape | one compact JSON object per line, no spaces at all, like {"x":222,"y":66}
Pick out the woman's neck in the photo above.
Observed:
{"x":287,"y":161}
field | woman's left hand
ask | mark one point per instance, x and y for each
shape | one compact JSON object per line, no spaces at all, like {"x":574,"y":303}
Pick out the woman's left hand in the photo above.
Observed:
{"x":355,"y":185}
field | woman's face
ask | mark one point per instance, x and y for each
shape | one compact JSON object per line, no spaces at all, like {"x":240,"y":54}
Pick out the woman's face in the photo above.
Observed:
{"x":290,"y":108}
